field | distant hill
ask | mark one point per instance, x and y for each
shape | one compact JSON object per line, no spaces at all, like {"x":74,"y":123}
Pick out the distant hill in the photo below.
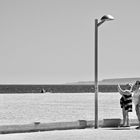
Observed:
{"x":114,"y":81}
{"x":119,"y":80}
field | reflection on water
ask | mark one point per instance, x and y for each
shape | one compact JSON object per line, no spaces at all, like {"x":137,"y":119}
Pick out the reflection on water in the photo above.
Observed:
{"x":28,"y":108}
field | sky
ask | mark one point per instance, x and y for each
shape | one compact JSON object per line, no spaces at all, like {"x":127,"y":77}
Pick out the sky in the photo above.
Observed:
{"x":52,"y":41}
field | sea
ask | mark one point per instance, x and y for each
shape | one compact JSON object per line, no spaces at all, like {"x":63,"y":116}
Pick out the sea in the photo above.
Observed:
{"x":58,"y":107}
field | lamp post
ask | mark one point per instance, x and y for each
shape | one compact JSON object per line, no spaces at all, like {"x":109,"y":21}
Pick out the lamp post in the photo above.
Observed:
{"x":97,"y":24}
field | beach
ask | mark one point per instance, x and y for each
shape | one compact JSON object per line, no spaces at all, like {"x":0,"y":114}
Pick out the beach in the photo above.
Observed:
{"x":51,"y":107}
{"x":22,"y":109}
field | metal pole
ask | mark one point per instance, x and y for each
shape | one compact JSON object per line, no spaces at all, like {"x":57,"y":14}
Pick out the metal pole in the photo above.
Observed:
{"x":96,"y":73}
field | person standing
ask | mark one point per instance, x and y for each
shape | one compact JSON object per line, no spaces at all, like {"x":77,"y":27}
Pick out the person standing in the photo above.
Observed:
{"x":126,"y":103}
{"x":136,"y":100}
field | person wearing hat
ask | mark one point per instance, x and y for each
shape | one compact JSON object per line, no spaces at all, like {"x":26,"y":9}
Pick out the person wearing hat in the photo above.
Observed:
{"x":136,"y":100}
{"x":126,"y":103}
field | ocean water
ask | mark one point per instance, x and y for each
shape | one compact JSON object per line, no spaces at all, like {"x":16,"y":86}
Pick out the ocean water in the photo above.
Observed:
{"x":57,"y":107}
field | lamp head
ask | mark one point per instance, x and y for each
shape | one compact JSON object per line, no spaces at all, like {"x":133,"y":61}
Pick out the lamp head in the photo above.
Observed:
{"x":107,"y":18}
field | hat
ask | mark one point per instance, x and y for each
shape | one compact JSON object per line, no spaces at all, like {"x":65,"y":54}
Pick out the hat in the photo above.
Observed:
{"x":137,"y":83}
{"x":129,"y":85}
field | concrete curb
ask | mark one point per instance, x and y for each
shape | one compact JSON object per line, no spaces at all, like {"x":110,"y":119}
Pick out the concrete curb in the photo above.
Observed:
{"x":37,"y":126}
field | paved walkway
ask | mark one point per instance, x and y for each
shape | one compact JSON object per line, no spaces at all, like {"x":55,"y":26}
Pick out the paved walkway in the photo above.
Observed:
{"x":78,"y":134}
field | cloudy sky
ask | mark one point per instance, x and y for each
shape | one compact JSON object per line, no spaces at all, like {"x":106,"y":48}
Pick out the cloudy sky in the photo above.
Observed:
{"x":52,"y":41}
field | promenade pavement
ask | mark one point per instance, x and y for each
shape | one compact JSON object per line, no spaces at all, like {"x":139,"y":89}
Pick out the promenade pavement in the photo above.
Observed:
{"x":78,"y":134}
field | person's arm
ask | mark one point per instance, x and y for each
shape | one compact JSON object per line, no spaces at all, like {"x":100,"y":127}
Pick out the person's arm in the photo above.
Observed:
{"x":139,"y":99}
{"x":131,"y":89}
{"x":120,"y":90}
{"x":123,"y":92}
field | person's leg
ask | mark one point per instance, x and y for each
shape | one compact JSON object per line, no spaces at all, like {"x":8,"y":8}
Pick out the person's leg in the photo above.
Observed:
{"x":127,"y":119}
{"x":138,"y":114}
{"x":124,"y":116}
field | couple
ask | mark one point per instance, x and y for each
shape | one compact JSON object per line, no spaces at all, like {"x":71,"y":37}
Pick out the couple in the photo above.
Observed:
{"x":126,"y":101}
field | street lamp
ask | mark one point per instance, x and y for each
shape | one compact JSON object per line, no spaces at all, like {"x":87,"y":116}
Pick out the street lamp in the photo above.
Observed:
{"x":97,"y":24}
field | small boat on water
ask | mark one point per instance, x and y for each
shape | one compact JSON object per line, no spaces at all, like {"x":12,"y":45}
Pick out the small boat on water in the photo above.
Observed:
{"x":46,"y":91}
{"x":43,"y":90}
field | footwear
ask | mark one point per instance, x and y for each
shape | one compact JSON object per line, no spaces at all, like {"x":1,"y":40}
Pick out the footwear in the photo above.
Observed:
{"x":124,"y":125}
{"x":138,"y":127}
